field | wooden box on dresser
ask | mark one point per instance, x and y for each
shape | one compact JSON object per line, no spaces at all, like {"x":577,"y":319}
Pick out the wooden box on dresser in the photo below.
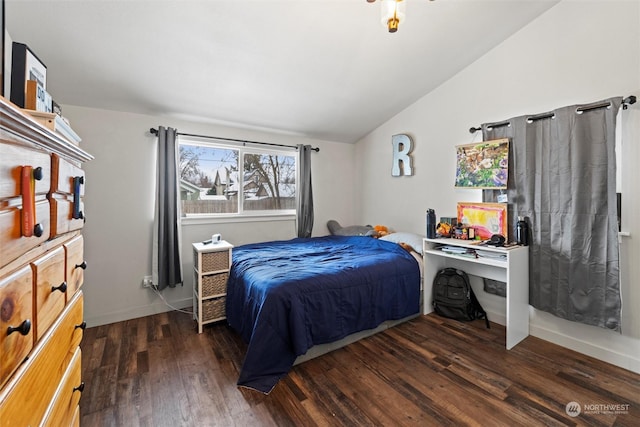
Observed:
{"x":41,"y":273}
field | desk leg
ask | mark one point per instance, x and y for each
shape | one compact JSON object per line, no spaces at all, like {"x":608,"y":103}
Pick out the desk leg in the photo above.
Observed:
{"x":432,"y":264}
{"x":517,"y":298}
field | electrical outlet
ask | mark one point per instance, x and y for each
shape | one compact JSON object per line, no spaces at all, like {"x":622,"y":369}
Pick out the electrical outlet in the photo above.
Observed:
{"x":147,"y":282}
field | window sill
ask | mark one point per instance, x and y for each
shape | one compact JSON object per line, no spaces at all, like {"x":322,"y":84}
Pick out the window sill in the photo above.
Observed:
{"x":262,"y":217}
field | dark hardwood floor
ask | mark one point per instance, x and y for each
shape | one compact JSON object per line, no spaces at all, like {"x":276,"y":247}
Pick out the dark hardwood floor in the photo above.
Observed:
{"x":157,"y":371}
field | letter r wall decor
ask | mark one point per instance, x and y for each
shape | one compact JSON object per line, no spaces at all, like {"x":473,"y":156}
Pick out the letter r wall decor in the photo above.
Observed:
{"x":402,"y":146}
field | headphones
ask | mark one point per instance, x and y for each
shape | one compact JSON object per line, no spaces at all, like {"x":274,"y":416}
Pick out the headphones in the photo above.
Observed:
{"x":496,"y":240}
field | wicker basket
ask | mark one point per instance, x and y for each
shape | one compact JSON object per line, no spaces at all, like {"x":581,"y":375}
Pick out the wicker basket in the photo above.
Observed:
{"x":214,"y":261}
{"x":214,"y":309}
{"x":214,"y":284}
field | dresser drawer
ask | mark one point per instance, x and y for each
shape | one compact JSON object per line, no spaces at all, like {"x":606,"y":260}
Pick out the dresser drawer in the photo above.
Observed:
{"x":63,"y":406}
{"x":75,"y":264}
{"x":12,"y":243}
{"x":26,"y":397}
{"x":13,"y":159}
{"x":50,"y":289}
{"x":75,"y":421}
{"x":63,"y":174}
{"x":16,"y":311}
{"x":62,"y":220}
{"x":67,"y":191}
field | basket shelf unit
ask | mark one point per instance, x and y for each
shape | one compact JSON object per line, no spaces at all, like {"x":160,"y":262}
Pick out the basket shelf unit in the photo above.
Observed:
{"x":211,"y":264}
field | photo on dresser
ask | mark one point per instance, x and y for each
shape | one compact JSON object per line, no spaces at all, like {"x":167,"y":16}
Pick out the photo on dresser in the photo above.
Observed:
{"x":25,"y":66}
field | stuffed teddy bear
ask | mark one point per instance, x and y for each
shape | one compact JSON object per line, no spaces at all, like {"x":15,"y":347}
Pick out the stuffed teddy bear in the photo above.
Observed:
{"x":380,"y":230}
{"x":444,"y":229}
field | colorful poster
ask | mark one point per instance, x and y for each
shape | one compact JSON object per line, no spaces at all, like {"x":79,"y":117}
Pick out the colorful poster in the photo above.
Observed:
{"x":483,"y":164}
{"x":486,"y":218}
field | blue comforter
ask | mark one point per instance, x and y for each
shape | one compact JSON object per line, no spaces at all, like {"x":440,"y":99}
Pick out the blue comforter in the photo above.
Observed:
{"x":283,"y":297}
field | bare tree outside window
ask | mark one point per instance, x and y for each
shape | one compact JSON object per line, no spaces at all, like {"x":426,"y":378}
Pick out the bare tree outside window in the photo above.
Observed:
{"x":274,"y":182}
{"x":190,"y":171}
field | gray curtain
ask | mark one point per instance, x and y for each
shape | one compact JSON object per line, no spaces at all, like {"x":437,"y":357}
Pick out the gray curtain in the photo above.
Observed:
{"x":167,"y":264}
{"x":562,"y":170}
{"x":305,"y":193}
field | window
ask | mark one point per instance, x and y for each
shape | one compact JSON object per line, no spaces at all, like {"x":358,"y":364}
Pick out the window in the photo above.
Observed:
{"x":219,"y":178}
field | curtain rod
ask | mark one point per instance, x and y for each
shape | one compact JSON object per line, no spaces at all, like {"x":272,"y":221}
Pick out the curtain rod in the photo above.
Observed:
{"x":244,"y":141}
{"x":629,"y":100}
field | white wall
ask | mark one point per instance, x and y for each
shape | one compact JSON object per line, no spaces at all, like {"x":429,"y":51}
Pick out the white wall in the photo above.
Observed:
{"x":120,"y":200}
{"x":577,"y":52}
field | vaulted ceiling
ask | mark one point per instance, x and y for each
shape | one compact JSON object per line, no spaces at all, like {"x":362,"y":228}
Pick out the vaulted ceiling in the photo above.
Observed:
{"x":323,"y":69}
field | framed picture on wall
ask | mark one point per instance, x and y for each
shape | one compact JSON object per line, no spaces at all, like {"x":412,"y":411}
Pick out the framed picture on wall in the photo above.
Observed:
{"x":483,"y":164}
{"x":25,"y":66}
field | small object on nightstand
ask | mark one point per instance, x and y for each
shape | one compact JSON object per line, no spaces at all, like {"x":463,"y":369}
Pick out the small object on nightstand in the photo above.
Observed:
{"x":215,"y":239}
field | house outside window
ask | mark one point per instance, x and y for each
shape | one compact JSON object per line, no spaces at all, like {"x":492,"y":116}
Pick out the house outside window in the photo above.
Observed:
{"x":229,"y":179}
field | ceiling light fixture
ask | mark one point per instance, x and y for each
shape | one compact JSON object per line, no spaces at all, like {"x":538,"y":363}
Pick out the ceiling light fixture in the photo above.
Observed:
{"x":392,"y":13}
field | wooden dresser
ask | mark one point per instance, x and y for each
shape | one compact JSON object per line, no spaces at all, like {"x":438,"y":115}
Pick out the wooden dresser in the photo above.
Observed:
{"x":41,"y":273}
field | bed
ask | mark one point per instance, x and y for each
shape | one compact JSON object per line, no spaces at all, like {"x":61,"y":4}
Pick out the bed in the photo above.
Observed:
{"x":285,"y":297}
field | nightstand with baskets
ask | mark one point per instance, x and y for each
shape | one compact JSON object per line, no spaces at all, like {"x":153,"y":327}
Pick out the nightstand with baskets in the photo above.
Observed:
{"x":211,"y":262}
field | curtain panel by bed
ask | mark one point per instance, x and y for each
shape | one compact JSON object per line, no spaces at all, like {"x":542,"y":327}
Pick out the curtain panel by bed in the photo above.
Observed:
{"x":166,"y":263}
{"x":563,"y":179}
{"x":305,"y":193}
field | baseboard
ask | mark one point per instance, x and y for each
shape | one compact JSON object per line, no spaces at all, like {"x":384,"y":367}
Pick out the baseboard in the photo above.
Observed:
{"x":628,"y":360}
{"x":618,"y":350}
{"x":138,"y":311}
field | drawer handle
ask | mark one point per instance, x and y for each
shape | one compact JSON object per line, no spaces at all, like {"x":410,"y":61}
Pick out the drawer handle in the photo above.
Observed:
{"x":82,"y":266}
{"x":28,"y":176}
{"x":24,"y":328}
{"x":82,"y":326}
{"x":38,"y":230}
{"x":37,"y":174}
{"x":80,"y":388}
{"x":77,"y":182}
{"x":62,"y":288}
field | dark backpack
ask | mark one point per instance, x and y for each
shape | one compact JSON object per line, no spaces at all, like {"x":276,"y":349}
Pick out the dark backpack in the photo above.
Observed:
{"x":454,"y":298}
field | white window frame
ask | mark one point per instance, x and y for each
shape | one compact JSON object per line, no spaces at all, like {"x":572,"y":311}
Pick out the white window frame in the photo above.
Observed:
{"x":242,"y":215}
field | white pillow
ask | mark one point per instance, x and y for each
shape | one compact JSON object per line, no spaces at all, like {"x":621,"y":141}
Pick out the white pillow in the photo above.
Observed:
{"x":413,"y":240}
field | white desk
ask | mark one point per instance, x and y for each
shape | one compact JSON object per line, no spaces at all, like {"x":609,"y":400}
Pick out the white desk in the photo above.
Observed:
{"x":514,"y":271}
